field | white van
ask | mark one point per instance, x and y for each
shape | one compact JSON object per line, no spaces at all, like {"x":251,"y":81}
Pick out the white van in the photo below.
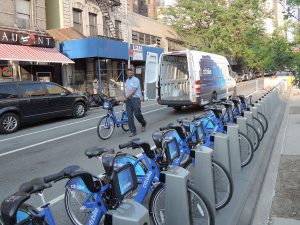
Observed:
{"x":185,"y":78}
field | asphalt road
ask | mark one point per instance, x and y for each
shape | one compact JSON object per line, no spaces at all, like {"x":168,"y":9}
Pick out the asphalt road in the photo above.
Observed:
{"x":45,"y":148}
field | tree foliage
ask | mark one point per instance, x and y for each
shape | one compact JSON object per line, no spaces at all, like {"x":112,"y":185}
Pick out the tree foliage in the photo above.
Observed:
{"x":235,"y":30}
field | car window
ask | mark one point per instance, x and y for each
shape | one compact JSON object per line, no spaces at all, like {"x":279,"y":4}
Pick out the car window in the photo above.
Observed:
{"x":54,"y":89}
{"x":32,"y":90}
{"x":8,"y":91}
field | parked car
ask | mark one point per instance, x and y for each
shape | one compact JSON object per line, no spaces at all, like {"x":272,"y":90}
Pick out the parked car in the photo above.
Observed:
{"x":29,"y":102}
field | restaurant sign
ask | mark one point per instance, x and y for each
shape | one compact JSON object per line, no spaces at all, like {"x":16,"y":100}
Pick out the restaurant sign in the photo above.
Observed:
{"x":26,"y":38}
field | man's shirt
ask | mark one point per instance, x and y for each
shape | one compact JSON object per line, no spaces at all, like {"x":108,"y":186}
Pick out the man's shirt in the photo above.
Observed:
{"x":133,"y":83}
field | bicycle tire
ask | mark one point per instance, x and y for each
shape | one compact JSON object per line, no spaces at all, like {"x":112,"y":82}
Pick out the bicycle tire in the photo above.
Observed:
{"x":264,"y":120}
{"x":259,"y":127}
{"x":202,"y":203}
{"x":80,"y":217}
{"x":125,"y":125}
{"x":253,"y":135}
{"x":99,"y":127}
{"x":247,"y":152}
{"x":218,"y":169}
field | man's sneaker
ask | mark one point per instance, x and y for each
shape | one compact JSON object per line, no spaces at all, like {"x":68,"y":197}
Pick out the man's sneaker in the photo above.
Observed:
{"x":143,"y":128}
{"x":132,"y":134}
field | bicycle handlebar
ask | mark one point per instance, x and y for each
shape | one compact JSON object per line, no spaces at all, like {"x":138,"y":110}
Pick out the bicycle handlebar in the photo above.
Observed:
{"x":62,"y":174}
{"x":165,"y":127}
{"x":125,"y":145}
{"x":137,"y":143}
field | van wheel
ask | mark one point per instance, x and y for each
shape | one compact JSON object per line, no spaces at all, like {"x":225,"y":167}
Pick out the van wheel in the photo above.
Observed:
{"x":177,"y":108}
{"x":9,"y":123}
{"x":79,"y":110}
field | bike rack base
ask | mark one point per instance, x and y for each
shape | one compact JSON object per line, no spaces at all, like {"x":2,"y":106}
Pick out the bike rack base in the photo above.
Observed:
{"x":176,"y":200}
{"x":128,"y":213}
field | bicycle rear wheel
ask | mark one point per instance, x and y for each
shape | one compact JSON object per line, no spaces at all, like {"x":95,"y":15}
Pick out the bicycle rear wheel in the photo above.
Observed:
{"x":259,"y":127}
{"x":223,"y":183}
{"x":264,"y":121}
{"x":246,"y":149}
{"x":200,"y":210}
{"x":105,"y":127}
{"x":253,"y":135}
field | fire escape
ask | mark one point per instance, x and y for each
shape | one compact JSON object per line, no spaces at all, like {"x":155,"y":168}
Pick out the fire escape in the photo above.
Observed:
{"x":105,"y":7}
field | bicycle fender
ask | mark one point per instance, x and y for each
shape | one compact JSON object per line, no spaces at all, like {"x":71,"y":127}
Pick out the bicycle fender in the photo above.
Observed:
{"x":77,"y":184}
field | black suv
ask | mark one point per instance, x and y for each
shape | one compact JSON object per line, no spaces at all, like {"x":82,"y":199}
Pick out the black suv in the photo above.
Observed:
{"x":27,"y":102}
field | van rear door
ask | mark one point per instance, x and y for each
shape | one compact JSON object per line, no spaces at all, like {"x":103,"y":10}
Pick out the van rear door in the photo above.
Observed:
{"x":151,"y":76}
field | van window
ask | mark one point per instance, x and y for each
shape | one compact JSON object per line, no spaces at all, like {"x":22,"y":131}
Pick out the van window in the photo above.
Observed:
{"x":54,"y":89}
{"x":32,"y":90}
{"x":8,"y":91}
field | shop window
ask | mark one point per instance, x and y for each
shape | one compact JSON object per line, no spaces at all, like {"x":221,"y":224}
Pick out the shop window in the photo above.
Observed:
{"x":23,"y":13}
{"x":8,"y":91}
{"x":153,"y":40}
{"x":93,"y":24}
{"x":77,"y":19}
{"x":32,"y":90}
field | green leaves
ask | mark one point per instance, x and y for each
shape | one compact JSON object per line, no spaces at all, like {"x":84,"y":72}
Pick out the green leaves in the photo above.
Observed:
{"x":235,"y":30}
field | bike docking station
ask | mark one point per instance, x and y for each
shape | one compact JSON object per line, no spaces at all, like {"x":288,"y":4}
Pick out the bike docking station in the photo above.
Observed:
{"x":176,"y":197}
{"x":129,"y":212}
{"x":204,"y":179}
{"x":221,"y":149}
{"x":234,"y":150}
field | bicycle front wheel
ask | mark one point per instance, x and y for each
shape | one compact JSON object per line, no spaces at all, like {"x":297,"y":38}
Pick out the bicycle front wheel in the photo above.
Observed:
{"x":246,"y":149}
{"x":264,"y":121}
{"x":125,"y":125}
{"x":253,"y":136}
{"x":106,"y":127}
{"x":223,"y":183}
{"x":74,"y":204}
{"x":259,"y":127}
{"x":200,"y":210}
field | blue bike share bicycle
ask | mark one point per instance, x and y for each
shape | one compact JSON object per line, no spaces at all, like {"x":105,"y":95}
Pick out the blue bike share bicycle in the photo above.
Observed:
{"x":157,"y":161}
{"x":186,"y":141}
{"x":107,"y":123}
{"x":104,"y":194}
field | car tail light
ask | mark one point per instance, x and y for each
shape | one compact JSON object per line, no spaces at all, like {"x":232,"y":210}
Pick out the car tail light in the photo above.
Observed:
{"x":197,"y":87}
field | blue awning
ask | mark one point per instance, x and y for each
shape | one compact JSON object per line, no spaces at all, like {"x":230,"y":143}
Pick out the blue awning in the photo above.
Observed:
{"x":99,"y":47}
{"x":95,"y":47}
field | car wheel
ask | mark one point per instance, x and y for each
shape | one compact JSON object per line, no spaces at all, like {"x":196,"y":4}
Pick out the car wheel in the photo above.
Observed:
{"x":9,"y":123}
{"x":79,"y":110}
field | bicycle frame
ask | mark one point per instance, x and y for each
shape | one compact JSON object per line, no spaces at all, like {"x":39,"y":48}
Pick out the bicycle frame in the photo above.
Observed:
{"x":112,"y":115}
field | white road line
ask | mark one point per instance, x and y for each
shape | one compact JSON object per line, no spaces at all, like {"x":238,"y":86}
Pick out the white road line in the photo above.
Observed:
{"x":65,"y":125}
{"x":251,"y":94}
{"x":61,"y":137}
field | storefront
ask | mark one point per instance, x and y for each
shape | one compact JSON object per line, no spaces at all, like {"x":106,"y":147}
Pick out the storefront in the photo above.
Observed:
{"x":29,"y":56}
{"x":103,"y":59}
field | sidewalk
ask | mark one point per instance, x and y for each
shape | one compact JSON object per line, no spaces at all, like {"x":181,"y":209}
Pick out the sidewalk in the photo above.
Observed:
{"x":279,"y":201}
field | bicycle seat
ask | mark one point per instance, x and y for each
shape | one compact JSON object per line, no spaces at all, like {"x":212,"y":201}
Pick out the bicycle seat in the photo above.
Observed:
{"x":97,"y":152}
{"x":34,"y":186}
{"x":10,"y":206}
{"x":157,"y":138}
{"x":242,"y":96}
{"x":235,"y":99}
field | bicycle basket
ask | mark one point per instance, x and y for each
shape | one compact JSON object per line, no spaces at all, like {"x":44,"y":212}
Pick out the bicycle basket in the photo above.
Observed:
{"x":106,"y":104}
